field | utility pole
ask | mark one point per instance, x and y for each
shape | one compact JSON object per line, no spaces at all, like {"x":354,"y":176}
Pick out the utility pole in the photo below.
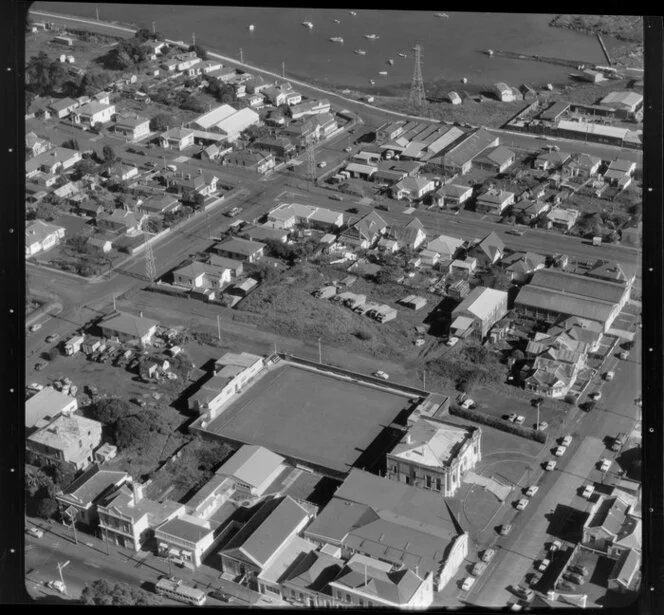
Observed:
{"x":60,"y":567}
{"x":218,"y":328}
{"x":241,"y":56}
{"x":283,"y":69}
{"x":106,"y":541}
{"x":424,"y":380}
{"x":320,"y":352}
{"x":311,"y":164}
{"x":417,"y":100}
{"x":72,"y":515}
{"x":114,"y":303}
{"x":193,"y":38}
{"x":153,"y":30}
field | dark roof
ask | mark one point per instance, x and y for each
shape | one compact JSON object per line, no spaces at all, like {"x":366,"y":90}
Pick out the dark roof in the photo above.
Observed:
{"x":554,"y":111}
{"x":570,"y":305}
{"x":185,"y":530}
{"x":237,"y":245}
{"x":580,"y":285}
{"x":491,"y":244}
{"x":470,"y":147}
{"x":314,"y":571}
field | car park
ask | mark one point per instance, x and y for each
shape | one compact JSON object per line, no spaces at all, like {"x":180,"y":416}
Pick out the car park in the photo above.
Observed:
{"x":381,"y":374}
{"x":588,"y":490}
{"x":487,"y":556}
{"x":36,"y":532}
{"x":550,"y":465}
{"x":505,"y":529}
{"x":543,"y":565}
{"x":604,"y":464}
{"x":467,"y":583}
{"x":532,"y":490}
{"x":560,"y":451}
{"x":521,"y":504}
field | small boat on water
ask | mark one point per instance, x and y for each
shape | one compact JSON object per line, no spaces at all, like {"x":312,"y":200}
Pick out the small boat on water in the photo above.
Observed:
{"x":443,"y":15}
{"x":403,"y":55}
{"x":251,"y":28}
{"x":360,"y":52}
{"x":371,"y":81}
{"x":372,"y":37}
{"x":337,"y":21}
{"x":352,"y":13}
{"x":383,"y":73}
{"x":390,"y":61}
{"x":336,"y":39}
{"x":464,"y":80}
{"x":489,"y":52}
{"x":308,"y":24}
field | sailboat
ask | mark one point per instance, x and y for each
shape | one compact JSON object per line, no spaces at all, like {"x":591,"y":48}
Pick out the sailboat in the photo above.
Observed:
{"x":336,"y":39}
{"x":390,"y":61}
{"x":337,"y":21}
{"x":443,"y":15}
{"x":403,"y":55}
{"x":360,"y":52}
{"x":308,"y":24}
{"x":371,"y":37}
{"x":353,"y":13}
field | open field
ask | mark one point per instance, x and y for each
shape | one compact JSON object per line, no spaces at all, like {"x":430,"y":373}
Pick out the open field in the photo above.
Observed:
{"x":310,"y":416}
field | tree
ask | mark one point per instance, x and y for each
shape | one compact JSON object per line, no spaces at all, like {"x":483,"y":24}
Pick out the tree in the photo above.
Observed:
{"x":93,"y":81}
{"x":161,"y":122}
{"x":108,"y":153}
{"x":46,"y":211}
{"x":143,"y":35}
{"x":222,"y":92}
{"x":109,"y":410}
{"x":103,"y":593}
{"x":192,"y":103}
{"x":199,"y":51}
{"x":137,"y":431}
{"x":85,"y":166}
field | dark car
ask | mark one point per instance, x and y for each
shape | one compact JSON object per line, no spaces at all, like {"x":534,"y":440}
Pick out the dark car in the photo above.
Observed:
{"x":578,"y":569}
{"x":218,"y":595}
{"x":574,"y":578}
{"x":40,"y":365}
{"x":523,"y":592}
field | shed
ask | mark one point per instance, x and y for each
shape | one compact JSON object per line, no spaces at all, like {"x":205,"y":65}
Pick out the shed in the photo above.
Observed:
{"x":414,"y":302}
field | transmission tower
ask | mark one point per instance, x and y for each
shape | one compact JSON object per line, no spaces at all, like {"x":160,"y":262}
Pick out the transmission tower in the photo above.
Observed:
{"x":311,"y":163}
{"x":417,"y":100}
{"x":150,"y":267}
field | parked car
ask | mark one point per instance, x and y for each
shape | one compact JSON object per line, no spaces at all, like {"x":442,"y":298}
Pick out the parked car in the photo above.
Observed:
{"x":556,"y":545}
{"x":604,"y":464}
{"x":41,"y":364}
{"x":609,"y":376}
{"x":218,"y":595}
{"x":58,"y":586}
{"x":588,"y":490}
{"x":535,"y":579}
{"x":532,"y":490}
{"x":566,"y":586}
{"x":488,"y":555}
{"x":512,"y":417}
{"x":623,"y":355}
{"x":151,"y":164}
{"x":452,"y":341}
{"x":36,"y":532}
{"x":467,"y":583}
{"x":348,"y":149}
{"x":231,"y":213}
{"x":478,"y":569}
{"x":520,"y":419}
{"x":560,"y":451}
{"x":566,"y":441}
{"x":542,"y":426}
{"x":35,"y":327}
{"x":574,"y":578}
{"x":468,"y":404}
{"x":381,"y":374}
{"x":521,"y":504}
{"x":596,"y":396}
{"x":420,"y":341}
{"x":523,"y":592}
{"x":550,"y":465}
{"x":35,"y":386}
{"x":505,"y":529}
{"x":52,"y":338}
{"x":543,"y":565}
{"x":336,"y":197}
{"x":322,"y":164}
{"x":578,"y":569}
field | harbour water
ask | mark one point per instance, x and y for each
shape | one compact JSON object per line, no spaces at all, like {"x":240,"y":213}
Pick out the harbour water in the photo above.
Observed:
{"x":452,"y":47}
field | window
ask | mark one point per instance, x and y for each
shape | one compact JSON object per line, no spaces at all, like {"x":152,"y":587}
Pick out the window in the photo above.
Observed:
{"x":428,"y":478}
{"x":438,"y":484}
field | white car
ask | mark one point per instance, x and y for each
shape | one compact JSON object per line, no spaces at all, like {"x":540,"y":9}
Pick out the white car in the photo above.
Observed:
{"x":468,"y":404}
{"x":542,"y":426}
{"x":322,"y":165}
{"x":543,"y":565}
{"x":58,"y":586}
{"x":36,"y":532}
{"x":532,"y":490}
{"x":420,"y":341}
{"x":520,"y":419}
{"x":567,"y":440}
{"x":381,"y":374}
{"x":609,"y":376}
{"x":623,"y":355}
{"x":348,"y":149}
{"x":604,"y":465}
{"x":452,"y":341}
{"x":550,"y":465}
{"x":521,"y":504}
{"x":467,"y":583}
{"x":560,"y":451}
{"x":512,"y":417}
{"x":596,"y":396}
{"x":556,"y":545}
{"x":35,"y":386}
{"x":588,"y":490}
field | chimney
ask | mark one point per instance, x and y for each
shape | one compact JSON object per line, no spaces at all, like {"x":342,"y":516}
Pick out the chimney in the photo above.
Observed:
{"x":408,"y":439}
{"x":138,"y":492}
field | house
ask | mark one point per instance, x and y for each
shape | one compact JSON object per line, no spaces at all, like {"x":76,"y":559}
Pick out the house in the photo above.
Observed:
{"x":619,"y":173}
{"x":252,"y":469}
{"x":365,"y":232}
{"x":551,"y":160}
{"x":283,"y":217}
{"x":452,"y":195}
{"x":94,"y":113}
{"x":261,"y":540}
{"x":201,"y":275}
{"x":41,"y":236}
{"x":493,"y":201}
{"x":370,"y":582}
{"x":434,"y":455}
{"x":503,"y":92}
{"x":263,"y":232}
{"x":128,"y":328}
{"x":307,"y":582}
{"x":46,"y":405}
{"x":234,"y":266}
{"x":159,"y":204}
{"x":520,"y":266}
{"x":527,"y":211}
{"x":34,"y":145}
{"x":553,"y":294}
{"x":402,"y":525}
{"x":177,"y":138}
{"x":52,"y":160}
{"x":412,"y":235}
{"x":312,"y":107}
{"x":429,"y":257}
{"x":478,"y":312}
{"x":190,"y":180}
{"x":122,"y":220}
{"x":280,"y":147}
{"x":121,"y":171}
{"x":459,"y":159}
{"x":361,"y":171}
{"x":241,"y":249}
{"x":582,"y":166}
{"x":128,"y":519}
{"x":624,"y":573}
{"x":488,"y":250}
{"x":208,"y":66}
{"x":627,"y":104}
{"x":464,"y":268}
{"x":257,"y":85}
{"x":186,"y":540}
{"x":302,"y":132}
{"x":254,"y":161}
{"x":413,"y":302}
{"x":562,"y":219}
{"x":101,"y":244}
{"x":611,"y":528}
{"x":68,"y":440}
{"x":91,"y":209}
{"x":496,"y":160}
{"x":446,"y":247}
{"x":131,"y":126}
{"x":326,"y":219}
{"x":63,"y":107}
{"x":412,"y":188}
{"x":84,"y":493}
{"x":326,"y":123}
{"x":280,"y":95}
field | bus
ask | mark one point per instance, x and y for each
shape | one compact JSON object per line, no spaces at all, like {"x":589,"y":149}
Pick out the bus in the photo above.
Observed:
{"x":177,"y":590}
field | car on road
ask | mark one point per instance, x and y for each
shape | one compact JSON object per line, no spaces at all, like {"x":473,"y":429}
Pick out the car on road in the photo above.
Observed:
{"x":452,"y":341}
{"x":542,"y":426}
{"x":512,"y":417}
{"x":381,"y":374}
{"x":550,"y":465}
{"x":588,"y":490}
{"x":515,"y":606}
{"x":52,"y":338}
{"x":336,"y":197}
{"x":566,"y":441}
{"x":609,"y":376}
{"x":36,"y":532}
{"x":596,"y":396}
{"x":604,"y":464}
{"x":322,"y":164}
{"x":151,"y":164}
{"x":532,"y":490}
{"x":468,"y":404}
{"x":520,"y":420}
{"x":623,"y":355}
{"x":516,"y":231}
{"x":35,"y":386}
{"x":556,"y":545}
{"x":35,"y":327}
{"x":218,"y":595}
{"x":521,"y":504}
{"x":488,"y":555}
{"x":467,"y":583}
{"x":505,"y":529}
{"x":231,"y":213}
{"x":543,"y":565}
{"x":523,"y":592}
{"x":348,"y":149}
{"x":41,"y":364}
{"x":58,"y":586}
{"x":560,"y":451}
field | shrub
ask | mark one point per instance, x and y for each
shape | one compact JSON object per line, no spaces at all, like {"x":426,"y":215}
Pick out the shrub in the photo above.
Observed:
{"x":363,"y":335}
{"x":491,"y":421}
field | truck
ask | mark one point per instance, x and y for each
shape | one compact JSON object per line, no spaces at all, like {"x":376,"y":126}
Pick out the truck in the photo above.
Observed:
{"x":597,"y":241}
{"x":73,"y":345}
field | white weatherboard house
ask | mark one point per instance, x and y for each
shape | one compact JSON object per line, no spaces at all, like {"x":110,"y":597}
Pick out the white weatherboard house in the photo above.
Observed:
{"x":41,"y":236}
{"x":478,"y":312}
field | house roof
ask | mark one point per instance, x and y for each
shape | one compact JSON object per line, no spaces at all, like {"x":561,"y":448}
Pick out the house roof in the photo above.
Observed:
{"x":45,"y":403}
{"x":626,"y":566}
{"x":178,"y":133}
{"x":455,"y":190}
{"x":443,"y":244}
{"x":92,"y":483}
{"x":491,"y":245}
{"x":64,"y":432}
{"x":226,"y":263}
{"x":498,"y":155}
{"x":610,"y":515}
{"x":124,"y":502}
{"x":242,"y":359}
{"x":251,"y":465}
{"x":314,"y":571}
{"x":625,"y":99}
{"x":128,"y":324}
{"x":40,"y":230}
{"x":63,"y":103}
{"x":369,"y":226}
{"x":481,"y":302}
{"x":356,"y":167}
{"x":408,"y":234}
{"x":581,"y":285}
{"x":414,"y":184}
{"x":470,"y":147}
{"x":626,"y":166}
{"x":547,"y":299}
{"x":122,"y":216}
{"x":93,"y":107}
{"x":326,"y":216}
{"x":197,"y":268}
{"x":130,"y":120}
{"x":563,"y":215}
{"x":496,"y":197}
{"x":185,"y":529}
{"x":237,"y":245}
{"x":295,"y":548}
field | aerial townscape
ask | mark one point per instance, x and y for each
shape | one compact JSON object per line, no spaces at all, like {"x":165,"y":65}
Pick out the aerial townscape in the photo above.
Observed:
{"x":303,"y":341}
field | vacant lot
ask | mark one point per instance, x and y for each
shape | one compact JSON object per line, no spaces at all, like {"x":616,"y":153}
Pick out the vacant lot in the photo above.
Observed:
{"x":311,"y":416}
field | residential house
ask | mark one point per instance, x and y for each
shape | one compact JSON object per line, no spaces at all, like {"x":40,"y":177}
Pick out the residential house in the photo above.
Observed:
{"x":412,"y":188}
{"x":199,"y":275}
{"x":177,"y":138}
{"x":131,"y":126}
{"x":52,"y":160}
{"x":92,"y":209}
{"x":365,"y":232}
{"x":504,"y":92}
{"x":326,"y":123}
{"x":623,"y":575}
{"x":488,"y":250}
{"x":84,"y":493}
{"x":257,"y":85}
{"x":263,"y":232}
{"x":459,"y":159}
{"x":434,"y":455}
{"x":361,"y":171}
{"x":283,"y":217}
{"x":452,"y":195}
{"x":255,"y":101}
{"x":234,"y":266}
{"x":620,"y":173}
{"x":251,"y":160}
{"x":66,"y":440}
{"x":41,"y":236}
{"x":121,"y":171}
{"x":241,"y":249}
{"x":208,"y":66}
{"x":302,"y":132}
{"x":159,"y":204}
{"x":128,"y":328}
{"x":307,"y":582}
{"x":527,"y":211}
{"x":100,"y":243}
{"x":280,"y":95}
{"x":93,"y":113}
{"x":189,"y":180}
{"x":628,"y":105}
{"x":493,"y":201}
{"x":582,"y":166}
{"x":46,"y":405}
{"x":562,"y":219}
{"x":521,"y":266}
{"x":478,"y":312}
{"x":310,"y":107}
{"x":446,"y":247}
{"x":63,"y":107}
{"x":400,"y":524}
{"x":464,"y":268}
{"x":410,"y":236}
{"x":551,"y":160}
{"x":122,"y":220}
{"x":611,"y":528}
{"x":496,"y":160}
{"x":186,"y":540}
{"x":34,"y":145}
{"x":280,"y":147}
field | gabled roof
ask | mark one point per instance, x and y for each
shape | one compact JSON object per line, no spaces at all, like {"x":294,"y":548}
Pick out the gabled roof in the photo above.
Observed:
{"x":369,"y":226}
{"x":455,"y":190}
{"x":444,"y":244}
{"x":499,"y":155}
{"x":241,"y":246}
{"x":91,"y":484}
{"x":129,"y":324}
{"x":470,"y":147}
{"x":314,"y":571}
{"x":251,"y":465}
{"x":408,"y":234}
{"x":414,"y":184}
{"x":481,"y":302}
{"x":40,"y":230}
{"x":491,"y":245}
{"x":186,"y":530}
{"x":580,"y":285}
{"x":197,"y":268}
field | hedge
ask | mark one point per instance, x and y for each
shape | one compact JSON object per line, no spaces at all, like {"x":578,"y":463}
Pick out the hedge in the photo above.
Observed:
{"x":485,"y":419}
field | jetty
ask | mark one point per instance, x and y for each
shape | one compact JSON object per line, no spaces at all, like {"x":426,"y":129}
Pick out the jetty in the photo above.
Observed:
{"x":536,"y":58}
{"x":604,"y":50}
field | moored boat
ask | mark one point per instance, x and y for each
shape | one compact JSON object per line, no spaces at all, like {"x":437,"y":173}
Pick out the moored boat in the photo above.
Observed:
{"x":403,"y":55}
{"x":308,"y":24}
{"x":390,"y":61}
{"x":336,"y":39}
{"x":383,"y":73}
{"x":360,"y":52}
{"x":251,"y":28}
{"x":372,"y":37}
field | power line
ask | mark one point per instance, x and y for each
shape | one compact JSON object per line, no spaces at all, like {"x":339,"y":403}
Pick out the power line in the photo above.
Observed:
{"x":150,"y":267}
{"x":311,"y":163}
{"x":417,"y":101}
